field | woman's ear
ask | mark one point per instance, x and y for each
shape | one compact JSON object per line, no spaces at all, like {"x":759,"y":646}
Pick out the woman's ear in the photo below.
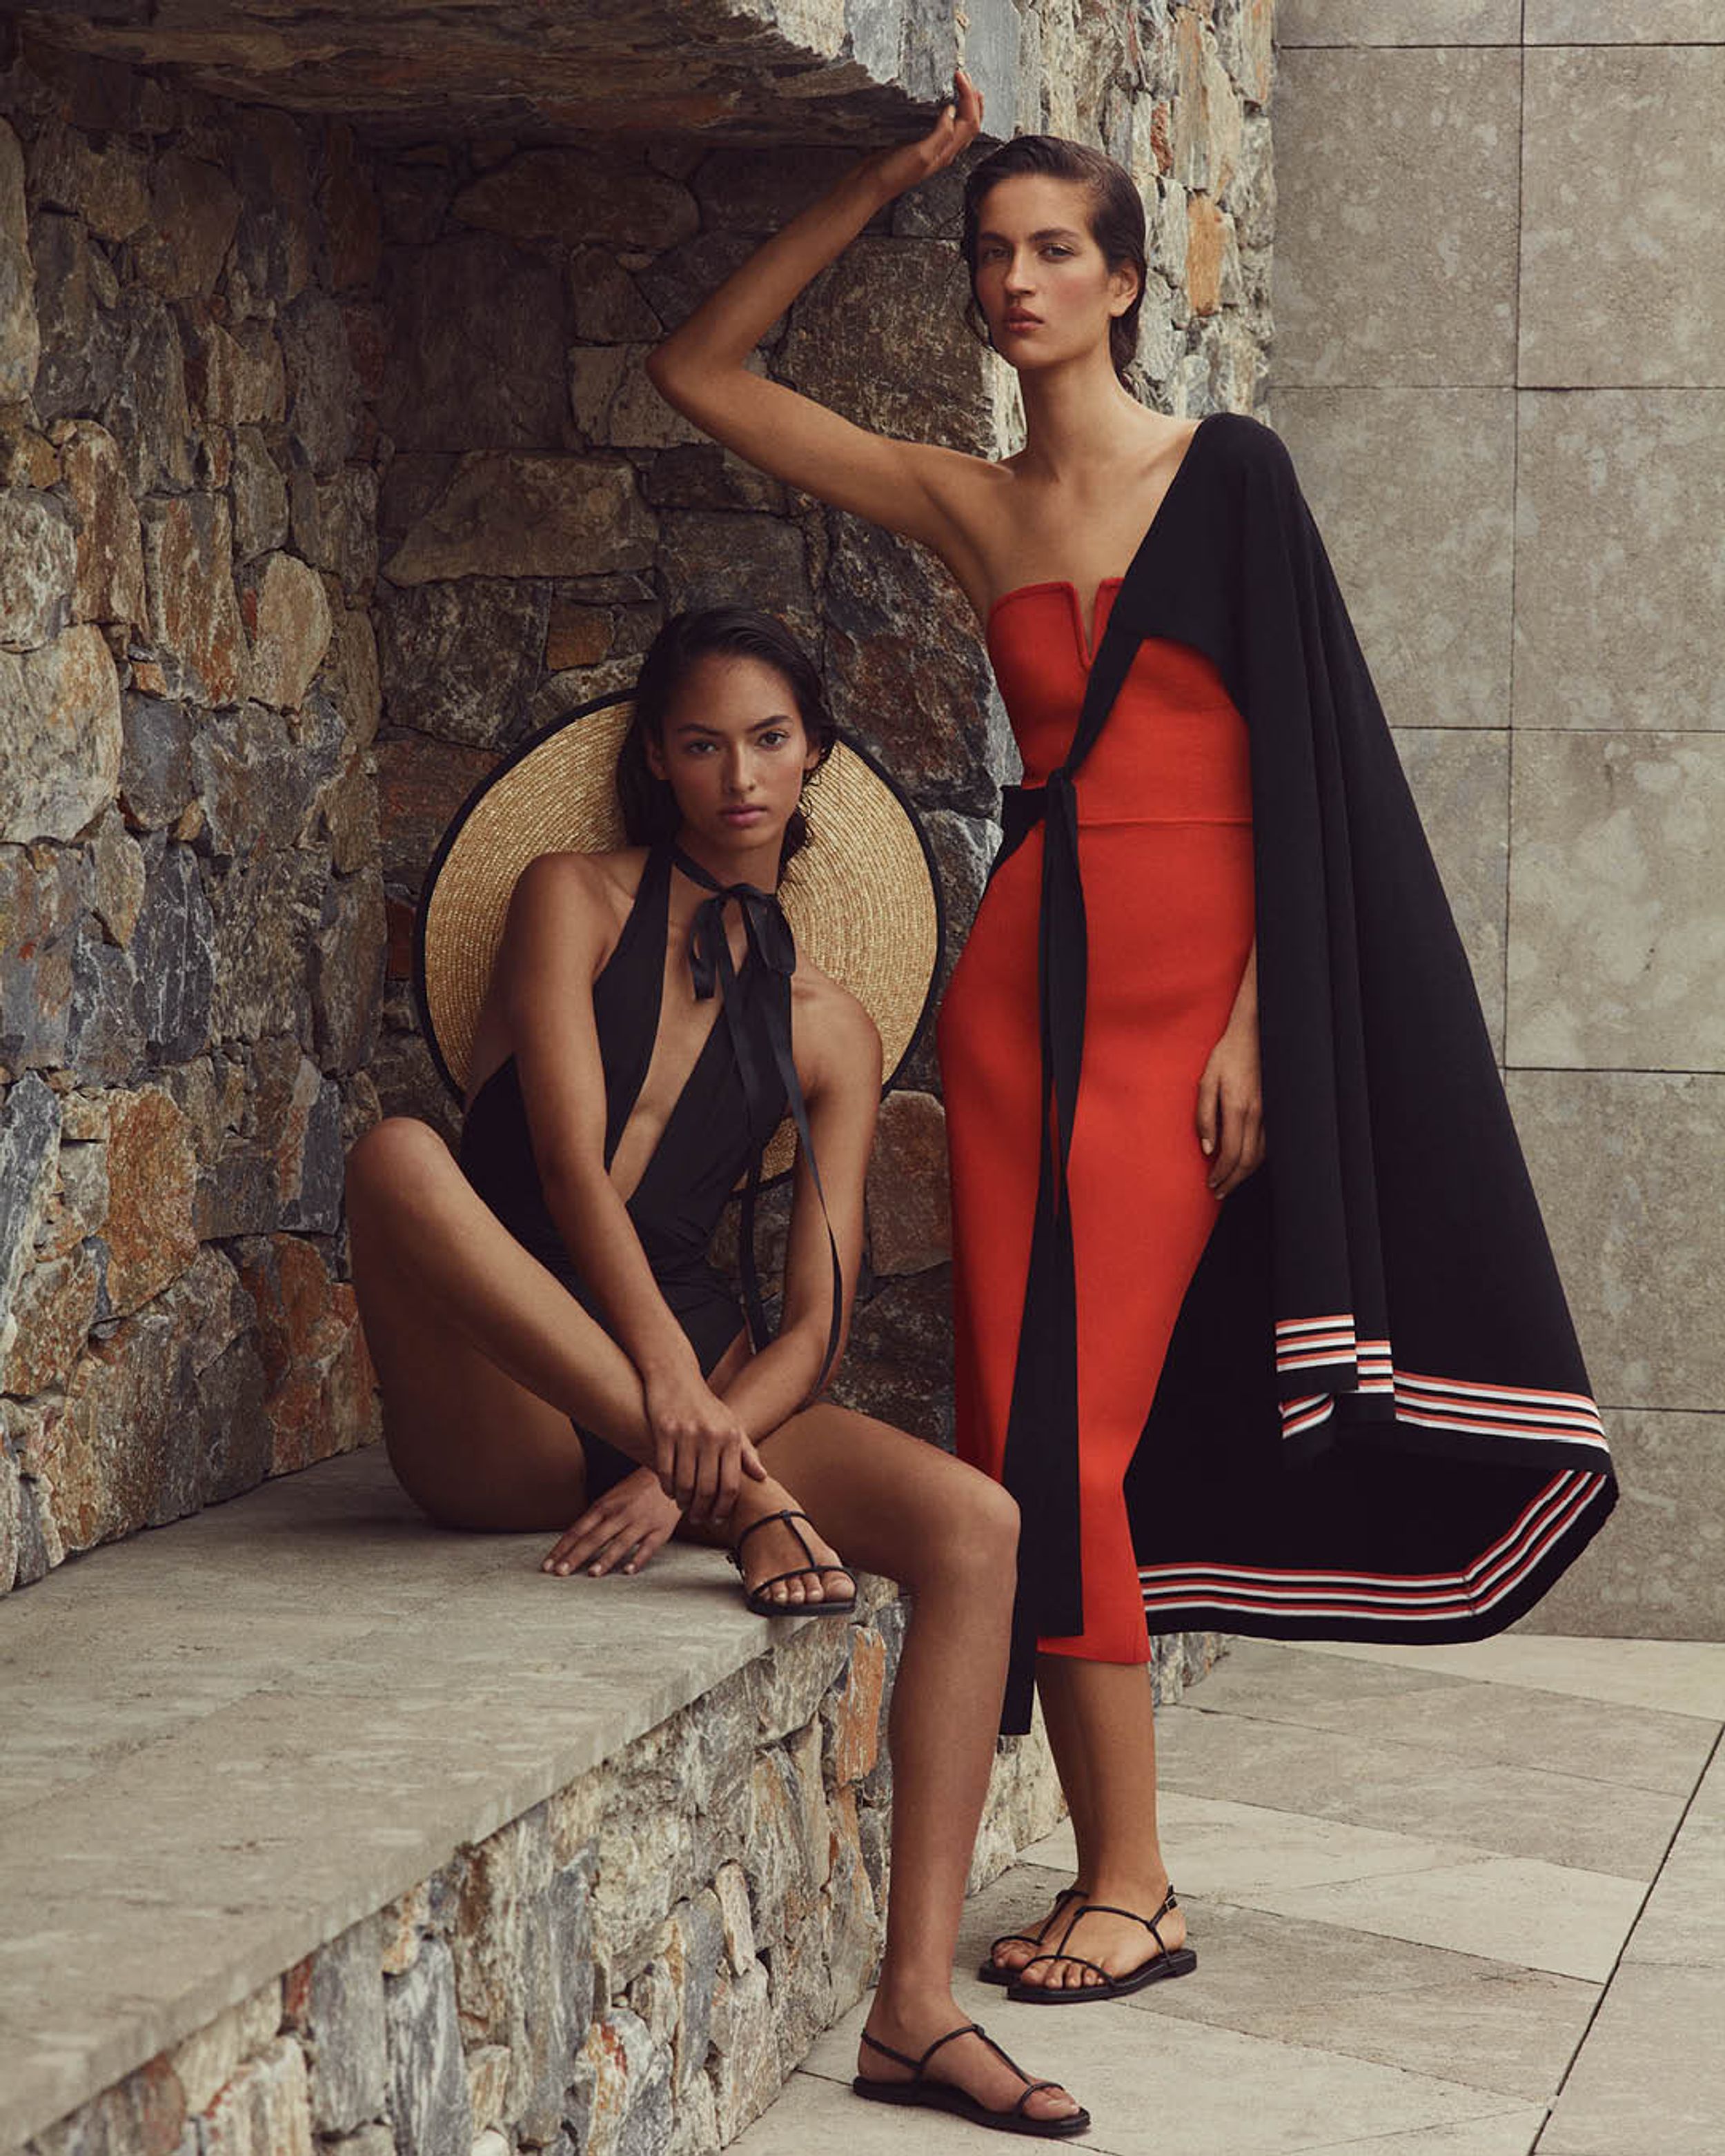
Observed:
{"x":654,"y":751}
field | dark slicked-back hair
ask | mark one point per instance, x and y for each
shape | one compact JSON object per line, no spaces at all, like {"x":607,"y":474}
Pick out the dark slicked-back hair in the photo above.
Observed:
{"x":1117,"y":219}
{"x":649,"y":808}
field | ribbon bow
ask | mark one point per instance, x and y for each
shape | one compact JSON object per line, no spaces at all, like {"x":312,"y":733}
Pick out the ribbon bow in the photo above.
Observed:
{"x":768,"y":932}
{"x":752,"y":1022}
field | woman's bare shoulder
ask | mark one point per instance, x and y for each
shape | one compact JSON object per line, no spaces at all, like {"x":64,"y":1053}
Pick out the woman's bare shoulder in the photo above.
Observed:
{"x":830,"y":1022}
{"x":568,"y":906}
{"x":572,"y":879}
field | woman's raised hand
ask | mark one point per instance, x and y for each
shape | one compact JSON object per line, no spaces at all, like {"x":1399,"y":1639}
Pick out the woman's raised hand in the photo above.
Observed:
{"x":906,"y":165}
{"x":700,"y":1449}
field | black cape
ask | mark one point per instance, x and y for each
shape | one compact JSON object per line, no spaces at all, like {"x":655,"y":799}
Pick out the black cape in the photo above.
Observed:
{"x":1373,"y":1421}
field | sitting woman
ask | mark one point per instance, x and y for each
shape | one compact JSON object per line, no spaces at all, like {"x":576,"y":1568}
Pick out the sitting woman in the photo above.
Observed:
{"x":555,"y":1353}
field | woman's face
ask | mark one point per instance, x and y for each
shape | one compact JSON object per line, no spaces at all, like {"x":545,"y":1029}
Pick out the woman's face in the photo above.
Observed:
{"x":1043,"y":284}
{"x":734,"y":750}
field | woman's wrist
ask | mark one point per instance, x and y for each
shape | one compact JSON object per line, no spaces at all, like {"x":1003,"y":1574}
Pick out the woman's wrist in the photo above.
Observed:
{"x":863,"y":185}
{"x":671,"y":1363}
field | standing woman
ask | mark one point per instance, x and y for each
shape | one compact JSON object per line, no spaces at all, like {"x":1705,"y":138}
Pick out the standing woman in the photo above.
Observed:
{"x":1339,"y":1398}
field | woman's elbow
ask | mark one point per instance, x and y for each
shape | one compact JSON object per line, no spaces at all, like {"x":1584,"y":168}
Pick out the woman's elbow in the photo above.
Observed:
{"x":663,"y":369}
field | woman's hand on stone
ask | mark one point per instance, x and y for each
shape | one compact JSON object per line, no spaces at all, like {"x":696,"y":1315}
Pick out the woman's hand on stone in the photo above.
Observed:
{"x":620,"y":1531}
{"x":906,"y":165}
{"x":702,"y":1451}
{"x":1231,"y":1107}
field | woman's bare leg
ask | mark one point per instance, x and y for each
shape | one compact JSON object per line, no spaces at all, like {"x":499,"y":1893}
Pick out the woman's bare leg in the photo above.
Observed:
{"x":1066,"y":1742}
{"x":1102,"y":1713}
{"x":483,"y":1357}
{"x":948,"y":1535}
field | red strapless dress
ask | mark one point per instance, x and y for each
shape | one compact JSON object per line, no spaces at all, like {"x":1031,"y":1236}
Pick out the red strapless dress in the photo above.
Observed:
{"x":1165,"y":846}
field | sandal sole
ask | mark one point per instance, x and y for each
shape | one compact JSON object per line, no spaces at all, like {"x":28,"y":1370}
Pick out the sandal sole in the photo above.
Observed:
{"x":941,"y":2095}
{"x":1180,"y":1962}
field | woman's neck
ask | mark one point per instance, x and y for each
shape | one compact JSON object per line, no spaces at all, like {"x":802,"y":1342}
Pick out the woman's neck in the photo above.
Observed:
{"x":1080,"y":420}
{"x":757,"y":864}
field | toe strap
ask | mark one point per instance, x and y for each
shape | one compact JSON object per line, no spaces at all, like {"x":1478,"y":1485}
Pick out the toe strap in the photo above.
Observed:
{"x":1031,"y":2089}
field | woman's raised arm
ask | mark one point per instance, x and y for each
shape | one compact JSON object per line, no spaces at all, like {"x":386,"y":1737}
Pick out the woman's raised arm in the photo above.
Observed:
{"x":700,"y":369}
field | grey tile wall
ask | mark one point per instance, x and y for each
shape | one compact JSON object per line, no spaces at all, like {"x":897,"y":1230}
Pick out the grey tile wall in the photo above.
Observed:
{"x":1500,"y":367}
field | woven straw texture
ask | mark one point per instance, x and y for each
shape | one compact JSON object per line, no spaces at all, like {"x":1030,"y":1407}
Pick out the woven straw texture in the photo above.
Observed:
{"x":863,"y":908}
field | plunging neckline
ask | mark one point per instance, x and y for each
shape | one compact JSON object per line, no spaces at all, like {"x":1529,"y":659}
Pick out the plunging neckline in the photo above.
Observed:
{"x":744,"y":972}
{"x":1087,"y":643}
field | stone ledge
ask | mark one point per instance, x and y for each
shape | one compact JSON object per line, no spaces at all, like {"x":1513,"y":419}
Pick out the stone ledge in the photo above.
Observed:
{"x":290,"y":1748}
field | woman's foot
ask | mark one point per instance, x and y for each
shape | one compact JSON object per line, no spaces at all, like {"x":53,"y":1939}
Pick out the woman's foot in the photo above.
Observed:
{"x":1116,"y":1945}
{"x":967,"y":2062}
{"x":1010,"y":1954}
{"x":775,"y":1549}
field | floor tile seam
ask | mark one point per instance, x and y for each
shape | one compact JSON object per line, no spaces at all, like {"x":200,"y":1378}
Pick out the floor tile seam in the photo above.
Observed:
{"x":1451,"y":1851}
{"x":1473,"y":1953}
{"x":1387,"y":2141}
{"x":1115,"y":2008}
{"x":1513,"y":2100}
{"x":1333,"y":1651}
{"x":1202,"y":1902}
{"x":1618,"y":1962}
{"x":1294,"y":1717}
{"x":1413,"y":1745}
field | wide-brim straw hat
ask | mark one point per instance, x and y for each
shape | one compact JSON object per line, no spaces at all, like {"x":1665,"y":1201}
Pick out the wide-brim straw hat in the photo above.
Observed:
{"x":863,"y":896}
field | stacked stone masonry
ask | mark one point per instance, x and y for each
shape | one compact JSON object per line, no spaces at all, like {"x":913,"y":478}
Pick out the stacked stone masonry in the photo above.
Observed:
{"x":328,"y":469}
{"x":630,"y":1968}
{"x":192,"y":911}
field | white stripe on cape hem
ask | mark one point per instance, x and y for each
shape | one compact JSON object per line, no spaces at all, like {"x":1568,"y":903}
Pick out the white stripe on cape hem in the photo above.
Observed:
{"x":1427,"y":1403}
{"x":1431,"y":1597}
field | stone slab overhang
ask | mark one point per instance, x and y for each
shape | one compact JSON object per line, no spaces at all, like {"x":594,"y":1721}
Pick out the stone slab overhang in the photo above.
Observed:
{"x":764,"y":71}
{"x":235,"y":1736}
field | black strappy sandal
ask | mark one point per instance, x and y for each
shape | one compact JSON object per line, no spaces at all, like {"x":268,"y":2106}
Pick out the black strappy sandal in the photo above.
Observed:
{"x":989,"y":1971}
{"x":947,"y":2095}
{"x":756,"y":1596}
{"x":1166,"y":1961}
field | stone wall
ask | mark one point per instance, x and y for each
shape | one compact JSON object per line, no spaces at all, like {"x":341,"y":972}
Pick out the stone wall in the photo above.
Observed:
{"x":631,"y":1967}
{"x":635,"y":1964}
{"x":191,"y":906}
{"x":1506,"y":397}
{"x":332,"y":471}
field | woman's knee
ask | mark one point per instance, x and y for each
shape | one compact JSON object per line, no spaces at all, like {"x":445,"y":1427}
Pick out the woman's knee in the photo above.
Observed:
{"x":976,"y":1533}
{"x":391,"y":1156}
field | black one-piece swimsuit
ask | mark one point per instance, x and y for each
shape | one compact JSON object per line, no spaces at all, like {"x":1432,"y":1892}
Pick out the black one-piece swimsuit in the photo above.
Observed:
{"x":705,"y":1146}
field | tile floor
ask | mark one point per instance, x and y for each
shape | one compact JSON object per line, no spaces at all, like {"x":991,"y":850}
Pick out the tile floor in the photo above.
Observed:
{"x":1452,"y":1902}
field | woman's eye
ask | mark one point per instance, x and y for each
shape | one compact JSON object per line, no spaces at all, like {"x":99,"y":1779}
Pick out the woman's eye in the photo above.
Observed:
{"x":776,"y":737}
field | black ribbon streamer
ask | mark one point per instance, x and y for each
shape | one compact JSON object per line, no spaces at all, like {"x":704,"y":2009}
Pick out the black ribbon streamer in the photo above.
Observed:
{"x":1040,"y":1467}
{"x":713,"y":971}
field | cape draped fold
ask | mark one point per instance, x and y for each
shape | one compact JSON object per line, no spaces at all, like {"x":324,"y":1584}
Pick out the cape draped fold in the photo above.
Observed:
{"x":1373,"y":1420}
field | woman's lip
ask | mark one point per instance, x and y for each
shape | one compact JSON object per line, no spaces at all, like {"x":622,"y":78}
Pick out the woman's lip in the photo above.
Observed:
{"x":741,"y":815}
{"x":1023,"y":322}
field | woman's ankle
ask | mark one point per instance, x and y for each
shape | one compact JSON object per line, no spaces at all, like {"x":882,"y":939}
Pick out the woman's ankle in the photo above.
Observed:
{"x":908,"y":2000}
